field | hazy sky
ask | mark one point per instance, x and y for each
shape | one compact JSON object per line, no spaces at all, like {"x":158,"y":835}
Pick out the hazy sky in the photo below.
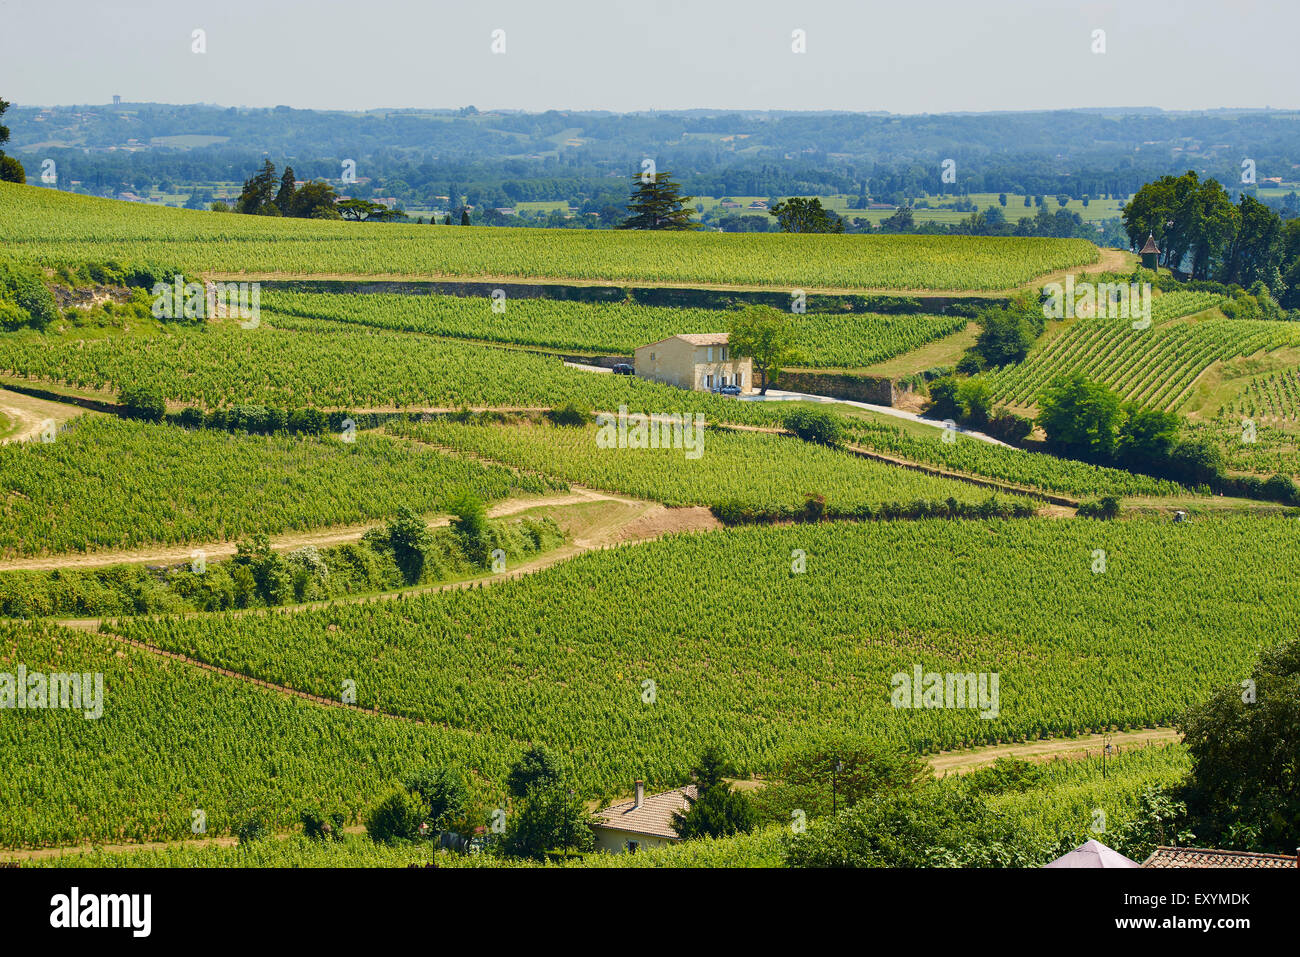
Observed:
{"x":905,"y":56}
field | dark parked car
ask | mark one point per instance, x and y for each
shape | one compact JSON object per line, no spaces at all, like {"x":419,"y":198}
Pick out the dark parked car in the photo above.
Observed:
{"x":623,"y":369}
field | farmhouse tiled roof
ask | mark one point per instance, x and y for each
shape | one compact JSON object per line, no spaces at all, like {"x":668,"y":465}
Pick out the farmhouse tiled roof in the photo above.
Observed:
{"x":1209,"y":857}
{"x":654,"y":818}
{"x":697,"y":339}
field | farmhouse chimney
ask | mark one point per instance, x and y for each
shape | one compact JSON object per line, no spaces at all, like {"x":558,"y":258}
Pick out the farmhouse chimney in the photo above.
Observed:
{"x":640,"y":794}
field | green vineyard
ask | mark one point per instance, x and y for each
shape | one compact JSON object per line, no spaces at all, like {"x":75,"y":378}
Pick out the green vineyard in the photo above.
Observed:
{"x":1153,"y":367}
{"x":752,"y":470}
{"x":826,"y":340}
{"x":49,"y":227}
{"x":564,"y":656}
{"x":169,"y":485}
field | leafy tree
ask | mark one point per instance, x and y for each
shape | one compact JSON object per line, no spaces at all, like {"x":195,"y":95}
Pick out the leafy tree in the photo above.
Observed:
{"x":801,"y":215}
{"x":716,"y":810}
{"x":929,"y":826}
{"x":1146,"y":438}
{"x":1195,"y":462}
{"x":1256,"y":247}
{"x":143,"y":402}
{"x":410,"y":539}
{"x":1080,"y":418}
{"x":1244,"y":788}
{"x":975,"y":400}
{"x":464,"y":217}
{"x":11,"y":171}
{"x":548,"y":817}
{"x":360,"y":210}
{"x":838,"y":773}
{"x":470,"y":523}
{"x":396,"y":818}
{"x":658,"y":203}
{"x":25,"y":299}
{"x":816,"y":425}
{"x":1191,"y":221}
{"x":901,"y":222}
{"x":445,"y":796}
{"x":943,"y":399}
{"x":536,"y":768}
{"x":1007,"y":333}
{"x":767,"y":336}
{"x":315,"y":200}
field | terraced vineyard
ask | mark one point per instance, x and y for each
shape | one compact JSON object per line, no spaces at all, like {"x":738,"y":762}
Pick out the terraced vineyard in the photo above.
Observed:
{"x":330,"y":365}
{"x":110,"y":484}
{"x":1030,"y":469}
{"x":845,"y":340}
{"x":563,"y":656}
{"x":1271,"y":397}
{"x":45,"y":226}
{"x":174,"y":740}
{"x":1154,"y":367}
{"x":1272,"y":450}
{"x":754,"y":470}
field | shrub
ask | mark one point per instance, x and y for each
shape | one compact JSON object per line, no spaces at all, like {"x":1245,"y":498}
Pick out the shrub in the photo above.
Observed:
{"x":1105,"y":507}
{"x":396,"y":818}
{"x":320,"y":825}
{"x":143,"y":402}
{"x":815,"y":425}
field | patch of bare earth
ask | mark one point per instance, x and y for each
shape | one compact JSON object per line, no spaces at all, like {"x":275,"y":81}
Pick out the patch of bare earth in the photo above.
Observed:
{"x":661,"y":520}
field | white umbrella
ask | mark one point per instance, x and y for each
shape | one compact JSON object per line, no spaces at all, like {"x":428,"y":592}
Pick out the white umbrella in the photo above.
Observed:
{"x":1093,"y":854}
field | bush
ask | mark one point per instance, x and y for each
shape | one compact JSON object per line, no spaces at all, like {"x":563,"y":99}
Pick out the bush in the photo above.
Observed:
{"x":1009,"y":427}
{"x":319,"y":825}
{"x":396,"y":818}
{"x":252,"y":830}
{"x":143,"y":402}
{"x":1105,"y":507}
{"x":815,"y":425}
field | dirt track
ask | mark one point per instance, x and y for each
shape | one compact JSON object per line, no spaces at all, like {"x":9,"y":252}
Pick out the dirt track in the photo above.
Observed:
{"x":29,"y":414}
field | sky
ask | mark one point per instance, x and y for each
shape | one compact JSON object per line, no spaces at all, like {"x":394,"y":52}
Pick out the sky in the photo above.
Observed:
{"x":901,"y":56}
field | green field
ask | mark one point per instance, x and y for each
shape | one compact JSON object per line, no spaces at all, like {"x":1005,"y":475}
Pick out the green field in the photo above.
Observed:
{"x":1155,"y":367}
{"x":169,"y":485}
{"x":835,"y":340}
{"x":752,"y":470}
{"x":742,"y":651}
{"x":48,"y":227}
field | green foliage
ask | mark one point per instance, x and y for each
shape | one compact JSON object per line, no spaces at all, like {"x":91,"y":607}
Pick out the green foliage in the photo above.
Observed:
{"x":396,"y":818}
{"x":323,"y":825}
{"x":25,"y":300}
{"x":836,"y":773}
{"x":767,"y":336}
{"x":548,"y":818}
{"x":444,"y":794}
{"x":145,"y":402}
{"x":715,"y":810}
{"x":799,"y":214}
{"x":657,"y":203}
{"x":816,"y":425}
{"x":537,"y":769}
{"x":1106,"y":507}
{"x":1007,"y":333}
{"x":1080,"y":419}
{"x":470,"y":523}
{"x":1244,"y":790}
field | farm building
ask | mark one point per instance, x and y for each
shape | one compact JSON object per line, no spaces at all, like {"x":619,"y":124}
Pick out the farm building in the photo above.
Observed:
{"x":1210,"y":857}
{"x":642,"y":822}
{"x":701,"y":362}
{"x":1150,"y":253}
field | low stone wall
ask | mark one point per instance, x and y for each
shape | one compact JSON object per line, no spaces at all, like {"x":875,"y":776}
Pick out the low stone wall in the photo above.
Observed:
{"x":877,"y":390}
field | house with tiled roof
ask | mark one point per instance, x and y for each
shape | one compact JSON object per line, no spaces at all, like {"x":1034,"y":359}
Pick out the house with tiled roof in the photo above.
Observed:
{"x":644,"y":821}
{"x":1209,"y":857}
{"x":697,"y":361}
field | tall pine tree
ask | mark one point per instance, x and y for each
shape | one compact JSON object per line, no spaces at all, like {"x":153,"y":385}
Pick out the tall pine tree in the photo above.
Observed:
{"x":284,"y":198}
{"x":658,"y":204}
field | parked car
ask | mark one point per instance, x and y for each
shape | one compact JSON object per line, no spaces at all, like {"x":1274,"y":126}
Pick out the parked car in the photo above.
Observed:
{"x":727,"y":390}
{"x":623,"y":369}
